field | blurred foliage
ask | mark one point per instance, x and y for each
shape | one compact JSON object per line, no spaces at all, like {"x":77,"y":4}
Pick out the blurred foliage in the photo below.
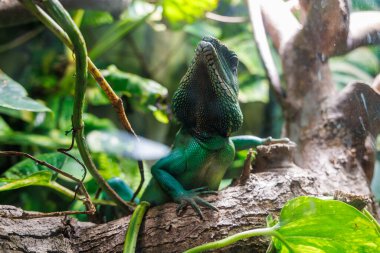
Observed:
{"x":14,"y":96}
{"x":178,"y":12}
{"x":143,"y":53}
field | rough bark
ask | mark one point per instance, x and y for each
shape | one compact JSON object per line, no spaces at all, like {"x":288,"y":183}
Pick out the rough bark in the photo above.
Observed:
{"x":326,"y":31}
{"x":334,"y":132}
{"x":276,"y":180}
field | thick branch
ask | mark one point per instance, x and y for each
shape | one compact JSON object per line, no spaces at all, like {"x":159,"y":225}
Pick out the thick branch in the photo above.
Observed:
{"x":12,"y":13}
{"x":326,"y":27}
{"x":241,"y":208}
{"x":264,"y":49}
{"x":364,"y":30}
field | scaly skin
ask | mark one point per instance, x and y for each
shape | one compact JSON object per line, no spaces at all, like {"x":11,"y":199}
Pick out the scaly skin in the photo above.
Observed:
{"x":206,"y":103}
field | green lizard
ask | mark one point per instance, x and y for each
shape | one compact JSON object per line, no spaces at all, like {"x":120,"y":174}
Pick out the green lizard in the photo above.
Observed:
{"x":206,"y":104}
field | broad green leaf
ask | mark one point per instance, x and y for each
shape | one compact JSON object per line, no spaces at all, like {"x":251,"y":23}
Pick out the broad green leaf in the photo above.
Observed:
{"x":143,"y":94}
{"x":245,"y":48}
{"x":22,"y":115}
{"x":96,"y":18}
{"x":349,"y":69}
{"x":14,"y":96}
{"x":108,"y":165}
{"x":136,"y":14}
{"x":28,"y":167}
{"x":41,"y":178}
{"x":51,"y":141}
{"x":312,"y":225}
{"x":4,"y":128}
{"x":94,"y":123}
{"x":365,"y":59}
{"x":180,"y":11}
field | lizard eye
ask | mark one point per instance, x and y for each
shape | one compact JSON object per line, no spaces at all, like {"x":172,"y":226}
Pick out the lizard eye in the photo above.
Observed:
{"x":234,"y":61}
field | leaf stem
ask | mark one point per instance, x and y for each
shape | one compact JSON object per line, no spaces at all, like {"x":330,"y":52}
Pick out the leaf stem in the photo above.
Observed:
{"x":134,"y":227}
{"x":233,"y":238}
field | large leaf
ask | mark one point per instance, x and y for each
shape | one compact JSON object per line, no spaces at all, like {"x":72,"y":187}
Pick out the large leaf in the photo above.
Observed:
{"x":41,"y":178}
{"x":309,"y":224}
{"x":53,"y":140}
{"x":96,"y":18}
{"x":135,"y":15}
{"x":122,"y":144}
{"x":360,"y":64}
{"x":176,"y":11}
{"x":246,"y":51}
{"x":4,"y":128}
{"x":28,"y":167}
{"x":14,"y":96}
{"x":143,"y":94}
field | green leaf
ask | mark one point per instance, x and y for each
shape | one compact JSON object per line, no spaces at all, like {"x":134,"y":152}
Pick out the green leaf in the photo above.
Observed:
{"x":28,"y":167}
{"x":135,"y":15}
{"x":143,"y":94}
{"x":14,"y":96}
{"x":309,"y":224}
{"x":245,"y":48}
{"x":94,"y":123}
{"x":4,"y":128}
{"x":365,"y":59}
{"x":53,"y":140}
{"x":96,"y":18}
{"x":185,"y":11}
{"x":161,"y":116}
{"x":41,"y":178}
{"x":253,"y":89}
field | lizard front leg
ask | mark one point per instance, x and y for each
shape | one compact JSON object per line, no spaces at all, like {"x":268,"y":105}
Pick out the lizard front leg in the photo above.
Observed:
{"x":165,"y":172}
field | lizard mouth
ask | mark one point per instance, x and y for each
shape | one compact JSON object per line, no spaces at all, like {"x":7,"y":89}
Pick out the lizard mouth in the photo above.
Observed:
{"x":206,"y":101}
{"x":221,"y":64}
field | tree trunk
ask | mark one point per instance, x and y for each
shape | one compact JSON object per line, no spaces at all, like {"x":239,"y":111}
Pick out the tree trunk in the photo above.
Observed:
{"x":334,"y":132}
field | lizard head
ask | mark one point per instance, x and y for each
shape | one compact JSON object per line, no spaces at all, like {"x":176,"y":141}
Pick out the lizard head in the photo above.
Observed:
{"x":206,"y":101}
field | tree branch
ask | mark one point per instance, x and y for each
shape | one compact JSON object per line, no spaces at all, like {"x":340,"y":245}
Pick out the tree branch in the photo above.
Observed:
{"x":241,"y":208}
{"x":264,"y":49}
{"x":279,"y":22}
{"x":326,"y":27}
{"x":364,"y":30}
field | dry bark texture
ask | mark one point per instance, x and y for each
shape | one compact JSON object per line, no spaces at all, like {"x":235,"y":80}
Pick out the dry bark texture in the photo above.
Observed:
{"x":334,"y":132}
{"x":277,"y":179}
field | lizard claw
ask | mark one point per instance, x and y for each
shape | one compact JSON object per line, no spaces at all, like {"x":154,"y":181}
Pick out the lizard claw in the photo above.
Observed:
{"x":191,"y":198}
{"x":203,"y":190}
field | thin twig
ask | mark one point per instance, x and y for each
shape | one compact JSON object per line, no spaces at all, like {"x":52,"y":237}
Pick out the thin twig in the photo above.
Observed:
{"x":88,"y":203}
{"x":21,"y":39}
{"x":264,"y":50}
{"x":225,"y":19}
